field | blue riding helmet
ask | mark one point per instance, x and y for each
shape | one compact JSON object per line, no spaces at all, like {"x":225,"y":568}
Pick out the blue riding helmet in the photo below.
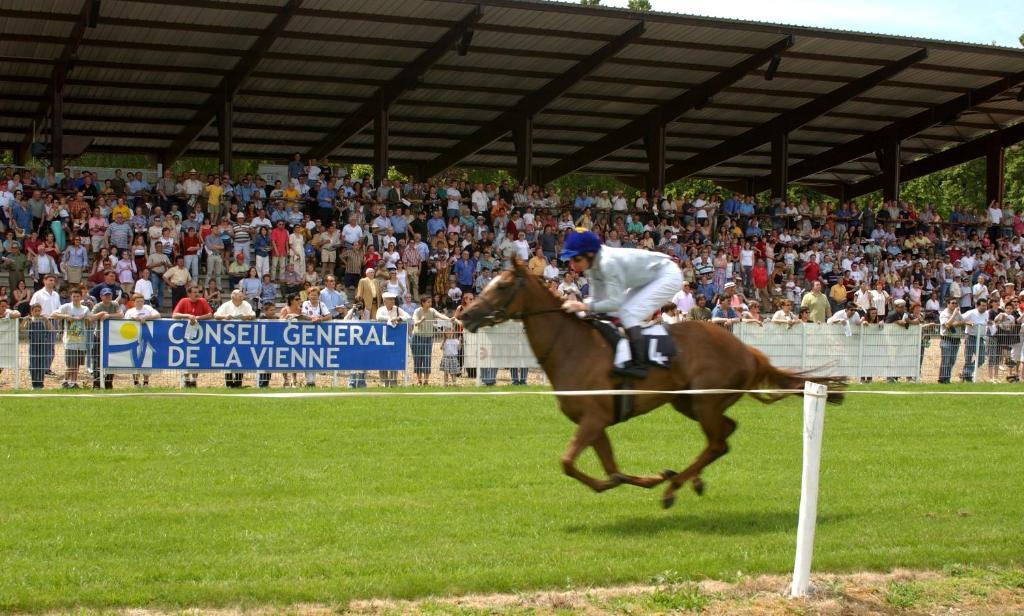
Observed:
{"x":580,"y":243}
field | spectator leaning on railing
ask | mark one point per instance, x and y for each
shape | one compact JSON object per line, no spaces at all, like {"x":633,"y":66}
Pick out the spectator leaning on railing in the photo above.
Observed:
{"x":771,"y":251}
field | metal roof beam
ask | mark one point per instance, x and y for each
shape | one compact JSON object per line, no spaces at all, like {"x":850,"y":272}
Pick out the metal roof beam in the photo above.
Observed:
{"x":790,"y":120}
{"x":60,"y":71}
{"x":944,"y":113}
{"x":664,"y":114}
{"x":943,"y":160}
{"x":532,"y":104}
{"x":389,"y":92}
{"x":231,"y":82}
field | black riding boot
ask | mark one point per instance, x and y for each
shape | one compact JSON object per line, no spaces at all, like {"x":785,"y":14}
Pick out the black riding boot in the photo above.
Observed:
{"x":635,"y":368}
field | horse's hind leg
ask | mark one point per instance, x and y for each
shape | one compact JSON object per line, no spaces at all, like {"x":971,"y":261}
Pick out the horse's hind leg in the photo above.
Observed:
{"x":717,"y":428}
{"x":587,"y":434}
{"x":603,"y":448}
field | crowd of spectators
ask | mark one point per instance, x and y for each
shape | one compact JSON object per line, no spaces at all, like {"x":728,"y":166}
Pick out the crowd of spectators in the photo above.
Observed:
{"x":343,"y":244}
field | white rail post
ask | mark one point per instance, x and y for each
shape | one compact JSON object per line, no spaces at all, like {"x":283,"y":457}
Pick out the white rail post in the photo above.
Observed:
{"x":814,"y":424}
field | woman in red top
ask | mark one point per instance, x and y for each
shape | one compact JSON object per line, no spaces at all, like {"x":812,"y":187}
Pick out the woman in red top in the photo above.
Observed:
{"x":370,"y":258}
{"x":194,"y":308}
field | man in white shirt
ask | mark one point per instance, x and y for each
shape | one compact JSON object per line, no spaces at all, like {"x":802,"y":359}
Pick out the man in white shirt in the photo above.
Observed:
{"x":619,"y":202}
{"x":454,"y":199}
{"x":522,"y":247}
{"x":846,"y":316}
{"x":260,"y":220}
{"x":47,"y":297}
{"x":192,"y":186}
{"x":980,"y":289}
{"x":967,"y":263}
{"x":479,"y":200}
{"x":862,"y":297}
{"x":551,"y":270}
{"x":141,"y":312}
{"x":351,"y":232}
{"x":235,"y":309}
{"x":974,"y":338}
{"x":392,"y":315}
{"x":684,"y":299}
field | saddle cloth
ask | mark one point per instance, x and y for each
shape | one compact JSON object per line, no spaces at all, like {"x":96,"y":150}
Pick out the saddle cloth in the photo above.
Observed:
{"x":659,"y":348}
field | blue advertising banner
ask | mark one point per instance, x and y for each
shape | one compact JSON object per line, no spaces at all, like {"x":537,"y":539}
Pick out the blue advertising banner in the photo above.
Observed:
{"x":265,"y":346}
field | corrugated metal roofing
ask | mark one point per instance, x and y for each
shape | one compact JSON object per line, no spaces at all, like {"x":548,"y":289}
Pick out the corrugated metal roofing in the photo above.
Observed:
{"x":150,"y":66}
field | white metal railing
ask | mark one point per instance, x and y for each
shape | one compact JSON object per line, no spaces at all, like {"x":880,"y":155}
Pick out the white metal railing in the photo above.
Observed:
{"x":444,"y":354}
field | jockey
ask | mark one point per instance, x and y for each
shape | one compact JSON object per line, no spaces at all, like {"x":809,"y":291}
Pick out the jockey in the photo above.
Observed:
{"x":629,"y":283}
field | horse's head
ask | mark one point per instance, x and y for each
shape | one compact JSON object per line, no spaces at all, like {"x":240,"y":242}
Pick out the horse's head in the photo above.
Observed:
{"x":500,"y":300}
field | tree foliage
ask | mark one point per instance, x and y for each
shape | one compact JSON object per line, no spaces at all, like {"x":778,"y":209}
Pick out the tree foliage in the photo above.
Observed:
{"x":639,"y":5}
{"x":590,"y":2}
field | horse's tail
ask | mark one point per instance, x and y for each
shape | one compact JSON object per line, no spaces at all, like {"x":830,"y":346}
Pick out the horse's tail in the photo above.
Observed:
{"x":767,"y":374}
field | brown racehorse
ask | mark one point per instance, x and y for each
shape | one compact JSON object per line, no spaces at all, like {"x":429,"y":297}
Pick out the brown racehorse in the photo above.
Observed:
{"x":575,"y":356}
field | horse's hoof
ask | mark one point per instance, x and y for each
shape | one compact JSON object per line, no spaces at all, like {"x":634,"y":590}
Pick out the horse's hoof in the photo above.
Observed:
{"x":698,"y":486}
{"x":667,"y":501}
{"x":668,"y":473}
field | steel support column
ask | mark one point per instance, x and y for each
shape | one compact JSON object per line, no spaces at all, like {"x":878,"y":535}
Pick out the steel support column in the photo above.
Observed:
{"x":994,"y":168}
{"x":57,"y":126}
{"x":889,"y":162}
{"x":523,"y":139}
{"x":654,"y":144}
{"x":380,"y":145}
{"x":780,"y":164}
{"x":225,"y":132}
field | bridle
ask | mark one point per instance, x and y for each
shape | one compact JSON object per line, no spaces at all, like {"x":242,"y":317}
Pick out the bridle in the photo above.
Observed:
{"x":500,"y":314}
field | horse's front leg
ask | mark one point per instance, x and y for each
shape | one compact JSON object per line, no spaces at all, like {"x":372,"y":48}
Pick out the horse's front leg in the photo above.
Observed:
{"x":603,"y":448}
{"x":586,"y":435}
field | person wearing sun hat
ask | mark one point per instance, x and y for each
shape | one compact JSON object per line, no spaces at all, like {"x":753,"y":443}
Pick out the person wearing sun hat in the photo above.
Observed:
{"x":105,"y":309}
{"x":394,"y":316}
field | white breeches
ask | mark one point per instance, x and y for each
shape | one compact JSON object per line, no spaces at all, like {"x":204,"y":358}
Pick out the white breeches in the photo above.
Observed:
{"x":642,"y":302}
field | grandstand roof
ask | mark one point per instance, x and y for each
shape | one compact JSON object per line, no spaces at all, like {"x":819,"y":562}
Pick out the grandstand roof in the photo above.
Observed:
{"x":149,"y":76}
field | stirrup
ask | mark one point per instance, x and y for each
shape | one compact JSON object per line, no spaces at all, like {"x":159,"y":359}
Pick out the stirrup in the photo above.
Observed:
{"x":630,"y":370}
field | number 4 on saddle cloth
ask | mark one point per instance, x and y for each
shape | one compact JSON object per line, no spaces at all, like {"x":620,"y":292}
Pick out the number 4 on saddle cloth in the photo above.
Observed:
{"x":659,"y":348}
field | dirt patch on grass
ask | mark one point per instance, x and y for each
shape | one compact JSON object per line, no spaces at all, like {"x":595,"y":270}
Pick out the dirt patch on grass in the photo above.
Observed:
{"x":959,"y":590}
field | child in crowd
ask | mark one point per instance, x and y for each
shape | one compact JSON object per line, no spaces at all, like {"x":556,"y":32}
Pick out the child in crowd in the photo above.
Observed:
{"x":450,"y":358}
{"x":40,"y":349}
{"x":454,"y":293}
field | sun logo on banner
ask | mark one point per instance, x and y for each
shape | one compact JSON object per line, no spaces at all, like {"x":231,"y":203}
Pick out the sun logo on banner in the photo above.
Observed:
{"x":128,"y":344}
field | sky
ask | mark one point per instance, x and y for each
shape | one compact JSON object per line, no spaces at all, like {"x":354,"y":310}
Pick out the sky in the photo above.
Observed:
{"x":974,"y":21}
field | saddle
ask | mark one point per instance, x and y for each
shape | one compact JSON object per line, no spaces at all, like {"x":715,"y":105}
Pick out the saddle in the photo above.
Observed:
{"x":659,"y":347}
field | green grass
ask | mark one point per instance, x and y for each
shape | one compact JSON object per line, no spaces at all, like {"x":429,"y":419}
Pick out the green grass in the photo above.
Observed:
{"x":171,"y":502}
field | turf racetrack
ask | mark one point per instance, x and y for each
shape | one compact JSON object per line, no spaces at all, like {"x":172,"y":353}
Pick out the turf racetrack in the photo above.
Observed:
{"x":226,"y":501}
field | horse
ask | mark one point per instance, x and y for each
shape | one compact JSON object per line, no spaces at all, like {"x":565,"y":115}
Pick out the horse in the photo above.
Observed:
{"x":575,"y":356}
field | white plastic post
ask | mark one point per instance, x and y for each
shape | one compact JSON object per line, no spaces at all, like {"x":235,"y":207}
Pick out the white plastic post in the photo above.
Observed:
{"x":814,"y":424}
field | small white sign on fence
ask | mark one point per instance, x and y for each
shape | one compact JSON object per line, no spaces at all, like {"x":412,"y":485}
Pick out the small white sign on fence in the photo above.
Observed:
{"x":502,"y":346}
{"x":9,"y":343}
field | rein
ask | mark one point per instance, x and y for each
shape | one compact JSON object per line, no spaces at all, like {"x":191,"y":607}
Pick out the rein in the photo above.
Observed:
{"x":502,"y":313}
